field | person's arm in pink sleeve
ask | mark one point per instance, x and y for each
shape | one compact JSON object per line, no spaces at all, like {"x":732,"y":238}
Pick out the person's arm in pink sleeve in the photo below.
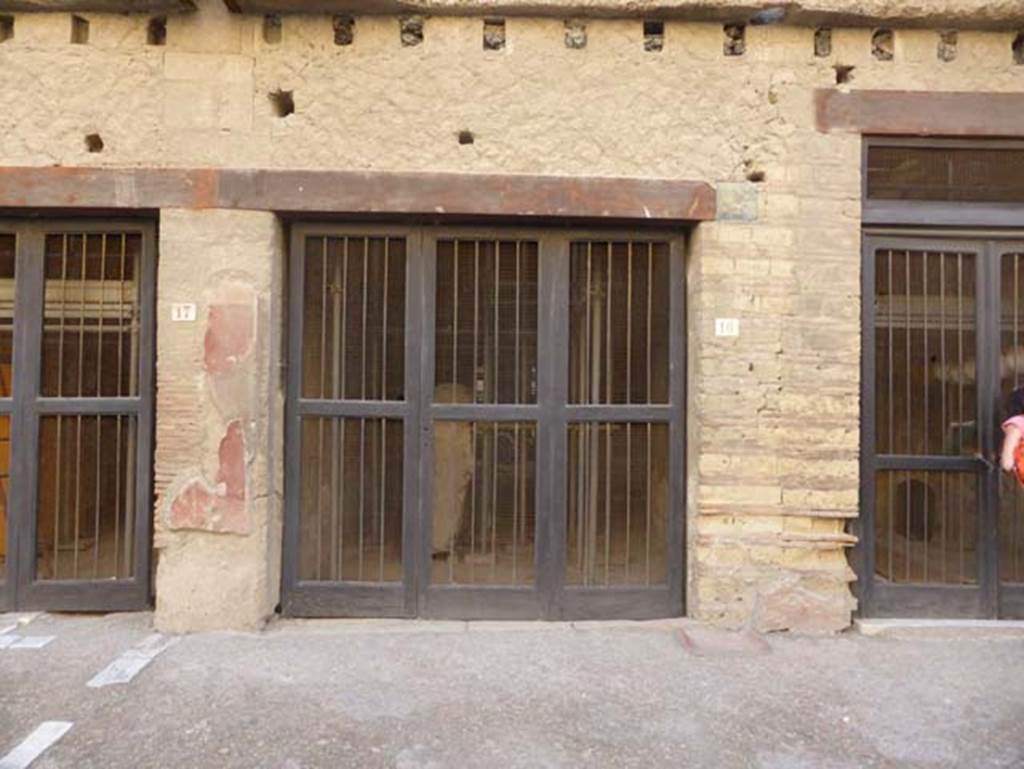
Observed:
{"x":1012,"y":436}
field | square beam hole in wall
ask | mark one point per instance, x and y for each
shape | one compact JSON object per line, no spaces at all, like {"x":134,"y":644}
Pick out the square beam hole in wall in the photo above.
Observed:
{"x":494,"y":34}
{"x":1018,"y":49}
{"x":6,"y":28}
{"x":575,"y":34}
{"x":79,"y":30}
{"x":273,"y":30}
{"x":345,"y":30}
{"x":283,"y":102}
{"x":735,"y":40}
{"x":948,"y":41}
{"x":883,"y":45}
{"x":411,"y":30}
{"x":823,"y":42}
{"x":654,"y":35}
{"x":156,"y":31}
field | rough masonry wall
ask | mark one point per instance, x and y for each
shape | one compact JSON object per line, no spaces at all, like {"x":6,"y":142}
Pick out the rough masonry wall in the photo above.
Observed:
{"x":774,"y":412}
{"x":219,"y":420}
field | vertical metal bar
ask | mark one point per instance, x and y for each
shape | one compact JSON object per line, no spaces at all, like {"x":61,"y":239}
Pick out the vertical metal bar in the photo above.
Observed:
{"x":909,"y":408}
{"x":384,"y":323}
{"x":383,"y":489}
{"x":340,"y":545}
{"x":1018,"y":497}
{"x":517,"y":367}
{"x":336,"y":358}
{"x":647,"y":536}
{"x":607,"y":500}
{"x":650,"y":323}
{"x":362,"y":372}
{"x":472,"y":500}
{"x":892,"y":418}
{"x":497,"y":338}
{"x":588,"y":351}
{"x":924,"y":367}
{"x":320,"y":490}
{"x":455,"y":319}
{"x":63,"y":314}
{"x":96,"y":512}
{"x":81,"y":321}
{"x":960,"y":384}
{"x":944,"y":384}
{"x":78,"y":492}
{"x":476,"y":327}
{"x":629,"y":491}
{"x":650,"y":315}
{"x":494,"y":500}
{"x":344,"y":321}
{"x":629,"y":325}
{"x":515,"y":493}
{"x":101,"y":315}
{"x":362,"y":477}
{"x":120,"y":316}
{"x":321,"y":392}
{"x":140,"y":294}
{"x":58,"y":496}
{"x":117,"y":501}
{"x":608,"y":327}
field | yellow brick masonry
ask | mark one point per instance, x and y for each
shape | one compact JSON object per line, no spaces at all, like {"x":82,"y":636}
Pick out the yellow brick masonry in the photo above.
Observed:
{"x":773,"y":414}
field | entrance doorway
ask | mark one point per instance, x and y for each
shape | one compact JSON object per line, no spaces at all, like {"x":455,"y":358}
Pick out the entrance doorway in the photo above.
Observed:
{"x":942,"y":529}
{"x":484,"y":423}
{"x":76,"y":399}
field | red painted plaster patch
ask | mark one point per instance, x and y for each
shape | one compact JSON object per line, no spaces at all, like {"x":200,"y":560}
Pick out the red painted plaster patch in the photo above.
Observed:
{"x":229,"y":336}
{"x":222,"y":507}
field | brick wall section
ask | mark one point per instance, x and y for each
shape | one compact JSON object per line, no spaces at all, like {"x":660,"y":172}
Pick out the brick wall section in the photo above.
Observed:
{"x":218,"y":431}
{"x":773,"y":416}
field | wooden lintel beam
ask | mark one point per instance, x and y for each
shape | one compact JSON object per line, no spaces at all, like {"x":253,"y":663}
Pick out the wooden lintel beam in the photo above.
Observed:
{"x":921,"y":113}
{"x":935,"y":14}
{"x":296,"y":191}
{"x":142,"y":7}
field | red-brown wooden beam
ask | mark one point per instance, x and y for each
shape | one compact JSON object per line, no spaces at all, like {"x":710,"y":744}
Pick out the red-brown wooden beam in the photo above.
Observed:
{"x":425,"y":194}
{"x":920,"y":113}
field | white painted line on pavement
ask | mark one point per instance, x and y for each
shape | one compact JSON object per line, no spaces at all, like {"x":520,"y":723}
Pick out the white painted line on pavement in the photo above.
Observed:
{"x":123,"y":669}
{"x":7,"y":640}
{"x":35,"y":744}
{"x":31,"y":642}
{"x":8,"y":628}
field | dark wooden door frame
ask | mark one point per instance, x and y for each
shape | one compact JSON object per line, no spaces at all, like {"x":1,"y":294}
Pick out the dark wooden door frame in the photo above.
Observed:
{"x":989,"y":598}
{"x":21,"y":589}
{"x":548,"y":598}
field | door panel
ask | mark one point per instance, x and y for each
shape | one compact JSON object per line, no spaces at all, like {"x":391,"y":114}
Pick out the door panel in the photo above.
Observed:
{"x":923,"y":468}
{"x":942,"y":530}
{"x":444,"y":422}
{"x":350,"y":429}
{"x":8,"y":260}
{"x":1011,"y":376}
{"x":76,"y":412}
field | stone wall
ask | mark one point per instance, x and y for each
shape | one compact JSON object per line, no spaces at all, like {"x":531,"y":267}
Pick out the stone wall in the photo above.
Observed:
{"x":773,"y":472}
{"x":219,"y":420}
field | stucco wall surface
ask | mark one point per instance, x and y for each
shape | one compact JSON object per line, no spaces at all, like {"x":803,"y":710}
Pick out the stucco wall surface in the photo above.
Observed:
{"x":773,"y":472}
{"x":219,"y":420}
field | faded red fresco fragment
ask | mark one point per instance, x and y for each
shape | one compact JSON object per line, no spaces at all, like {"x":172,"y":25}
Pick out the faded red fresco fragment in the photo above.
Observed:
{"x":229,"y":336}
{"x":222,"y":507}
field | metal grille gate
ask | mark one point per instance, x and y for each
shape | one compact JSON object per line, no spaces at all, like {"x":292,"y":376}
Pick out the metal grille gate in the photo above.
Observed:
{"x":941,"y":529}
{"x":76,"y":400}
{"x":481,"y":424}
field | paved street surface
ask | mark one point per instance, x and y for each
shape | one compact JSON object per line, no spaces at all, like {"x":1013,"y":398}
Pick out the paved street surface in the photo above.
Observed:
{"x":419,"y":694}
